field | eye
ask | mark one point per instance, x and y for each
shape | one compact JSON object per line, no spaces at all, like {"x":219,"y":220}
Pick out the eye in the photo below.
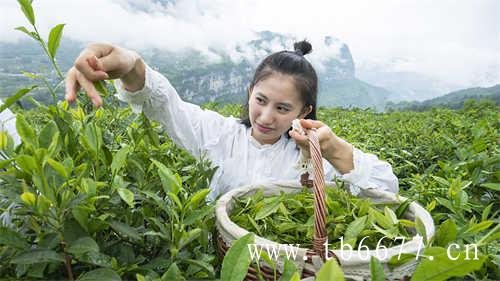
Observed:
{"x":259,"y":100}
{"x":282,"y":109}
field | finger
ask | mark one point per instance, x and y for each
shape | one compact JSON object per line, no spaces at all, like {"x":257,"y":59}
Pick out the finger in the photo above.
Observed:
{"x":309,"y":124}
{"x":72,"y":85}
{"x":299,"y":139}
{"x":93,"y":63}
{"x":82,"y":65}
{"x":117,"y":63}
{"x":90,"y":89}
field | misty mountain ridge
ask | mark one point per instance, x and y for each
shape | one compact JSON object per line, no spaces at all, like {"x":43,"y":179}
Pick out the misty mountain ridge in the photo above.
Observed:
{"x":224,"y":76}
{"x":453,"y":100}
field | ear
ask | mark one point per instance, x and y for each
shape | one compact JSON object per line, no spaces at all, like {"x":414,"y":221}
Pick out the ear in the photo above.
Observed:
{"x":250,"y":89}
{"x":305,"y":112}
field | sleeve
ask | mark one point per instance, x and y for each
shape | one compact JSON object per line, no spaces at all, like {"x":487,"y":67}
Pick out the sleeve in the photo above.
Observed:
{"x":8,"y":124}
{"x":187,"y":124}
{"x":368,"y":172}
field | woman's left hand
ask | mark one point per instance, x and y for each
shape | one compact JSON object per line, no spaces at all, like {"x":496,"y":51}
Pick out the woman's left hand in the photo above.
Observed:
{"x":334,"y":149}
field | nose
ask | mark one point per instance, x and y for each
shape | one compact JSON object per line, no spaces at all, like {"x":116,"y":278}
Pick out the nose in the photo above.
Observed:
{"x":267,"y":116}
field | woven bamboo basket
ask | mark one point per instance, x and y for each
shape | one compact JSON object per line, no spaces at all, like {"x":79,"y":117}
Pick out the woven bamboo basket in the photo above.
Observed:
{"x":355,"y":264}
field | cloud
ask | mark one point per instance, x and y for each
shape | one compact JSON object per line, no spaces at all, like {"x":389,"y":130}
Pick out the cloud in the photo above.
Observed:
{"x":455,"y":41}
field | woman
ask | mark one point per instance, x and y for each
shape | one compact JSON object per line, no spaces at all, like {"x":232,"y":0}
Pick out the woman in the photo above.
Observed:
{"x":261,"y":147}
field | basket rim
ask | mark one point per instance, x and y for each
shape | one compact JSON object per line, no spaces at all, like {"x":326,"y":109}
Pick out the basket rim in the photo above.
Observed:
{"x":223,"y":222}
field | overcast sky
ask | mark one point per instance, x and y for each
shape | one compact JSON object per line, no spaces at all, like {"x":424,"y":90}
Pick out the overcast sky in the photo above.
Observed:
{"x":456,"y":41}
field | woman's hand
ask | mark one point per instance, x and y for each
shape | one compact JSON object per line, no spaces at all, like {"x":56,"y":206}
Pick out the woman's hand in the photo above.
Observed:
{"x":334,"y":149}
{"x":103,"y":61}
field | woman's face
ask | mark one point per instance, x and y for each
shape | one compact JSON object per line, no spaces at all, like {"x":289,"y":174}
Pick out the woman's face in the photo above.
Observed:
{"x":273,"y":104}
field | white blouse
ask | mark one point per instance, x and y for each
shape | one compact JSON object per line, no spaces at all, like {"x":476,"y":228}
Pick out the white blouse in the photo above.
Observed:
{"x":8,"y":124}
{"x":229,"y":145}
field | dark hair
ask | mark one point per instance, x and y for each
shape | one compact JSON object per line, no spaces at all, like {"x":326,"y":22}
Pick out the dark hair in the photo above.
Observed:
{"x":291,"y":63}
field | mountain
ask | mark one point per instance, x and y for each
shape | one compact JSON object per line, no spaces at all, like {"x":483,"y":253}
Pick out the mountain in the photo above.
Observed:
{"x":221,"y":76}
{"x":453,"y":100}
{"x":406,"y":85}
{"x":226,"y":80}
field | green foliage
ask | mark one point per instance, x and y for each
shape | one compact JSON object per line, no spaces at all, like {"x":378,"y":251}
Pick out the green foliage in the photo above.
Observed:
{"x":289,"y":219}
{"x":109,"y":193}
{"x":235,"y":265}
{"x":443,"y":265}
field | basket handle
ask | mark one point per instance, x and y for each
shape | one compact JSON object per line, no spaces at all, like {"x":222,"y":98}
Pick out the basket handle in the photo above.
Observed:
{"x":319,"y":237}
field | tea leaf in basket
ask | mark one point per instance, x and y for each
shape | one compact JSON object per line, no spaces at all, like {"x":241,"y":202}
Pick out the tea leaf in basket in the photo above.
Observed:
{"x":268,"y":209}
{"x":420,"y":227}
{"x":354,"y":228}
{"x":398,"y":260}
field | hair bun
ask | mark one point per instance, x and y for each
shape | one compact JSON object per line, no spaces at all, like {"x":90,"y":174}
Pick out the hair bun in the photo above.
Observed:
{"x":302,"y":48}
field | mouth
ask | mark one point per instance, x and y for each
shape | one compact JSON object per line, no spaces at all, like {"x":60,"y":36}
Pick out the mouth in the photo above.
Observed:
{"x":261,"y":128}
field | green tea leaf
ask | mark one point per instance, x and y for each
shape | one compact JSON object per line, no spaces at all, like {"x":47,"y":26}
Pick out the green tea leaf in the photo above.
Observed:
{"x":189,"y":237}
{"x":83,"y":245}
{"x":201,"y":264}
{"x":11,"y":238}
{"x":446,"y":233}
{"x":401,"y":210}
{"x":92,"y":137}
{"x":173,"y":273}
{"x":442,"y":181}
{"x":355,"y":228}
{"x":237,"y":260}
{"x":492,"y":185}
{"x":420,"y":227}
{"x":96,"y":258}
{"x":120,"y":159}
{"x":381,"y":219}
{"x":289,"y":270}
{"x":330,"y":271}
{"x":100,"y":86}
{"x":127,"y":196}
{"x":441,"y":267}
{"x":60,"y":169}
{"x":268,"y":209}
{"x":398,"y":260}
{"x":125,"y":230}
{"x":27,"y":164}
{"x":478,"y":227}
{"x":25,"y":131}
{"x":81,"y":215}
{"x":17,"y":96}
{"x":170,"y":183}
{"x":295,"y":277}
{"x":198,"y":197}
{"x":29,"y":33}
{"x":101,"y":274}
{"x":486,"y":212}
{"x":27,"y":10}
{"x":6,"y":144}
{"x":376,"y":270}
{"x":390,"y":214}
{"x":175,"y":199}
{"x":37,"y":256}
{"x":54,"y":39}
{"x":47,"y":133}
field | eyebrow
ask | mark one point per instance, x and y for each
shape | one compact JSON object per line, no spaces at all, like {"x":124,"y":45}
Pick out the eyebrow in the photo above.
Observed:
{"x":285,"y":104}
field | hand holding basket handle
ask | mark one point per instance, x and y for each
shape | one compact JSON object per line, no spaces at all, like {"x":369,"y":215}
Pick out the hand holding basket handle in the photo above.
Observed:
{"x":320,"y":236}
